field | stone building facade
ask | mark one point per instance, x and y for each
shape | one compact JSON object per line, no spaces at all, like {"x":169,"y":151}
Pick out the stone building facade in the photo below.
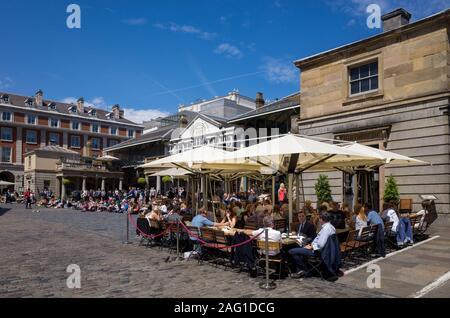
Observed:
{"x":390,"y":91}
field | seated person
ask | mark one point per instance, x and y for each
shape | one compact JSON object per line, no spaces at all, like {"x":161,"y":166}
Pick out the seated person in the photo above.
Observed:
{"x":305,"y":228}
{"x":273,"y":235}
{"x":401,"y":226}
{"x":155,"y":215}
{"x":337,"y":216}
{"x":174,"y":215}
{"x":312,"y":249}
{"x":421,"y":214}
{"x":276,"y":213}
{"x":230,"y":219}
{"x":361,"y":218}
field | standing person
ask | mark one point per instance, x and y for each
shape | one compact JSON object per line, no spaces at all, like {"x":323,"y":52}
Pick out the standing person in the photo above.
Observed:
{"x":27,"y":197}
{"x":282,"y":194}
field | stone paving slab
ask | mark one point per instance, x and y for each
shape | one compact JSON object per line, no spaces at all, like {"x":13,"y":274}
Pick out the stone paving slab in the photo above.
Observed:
{"x":37,"y":248}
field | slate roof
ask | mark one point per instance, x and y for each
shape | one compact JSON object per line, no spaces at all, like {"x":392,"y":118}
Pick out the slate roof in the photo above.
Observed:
{"x":61,"y":108}
{"x":291,"y":101}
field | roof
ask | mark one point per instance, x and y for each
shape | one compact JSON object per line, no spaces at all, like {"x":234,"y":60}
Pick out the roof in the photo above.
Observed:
{"x":316,"y":57}
{"x":64,"y":109}
{"x":161,"y":133}
{"x":55,"y":149}
{"x":288,"y":102}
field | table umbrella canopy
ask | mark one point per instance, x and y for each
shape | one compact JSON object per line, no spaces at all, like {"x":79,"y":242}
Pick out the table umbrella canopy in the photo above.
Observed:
{"x":203,"y":158}
{"x":107,"y":158}
{"x":379,"y":158}
{"x":173,"y":172}
{"x":292,"y":152}
{"x":6,"y":183}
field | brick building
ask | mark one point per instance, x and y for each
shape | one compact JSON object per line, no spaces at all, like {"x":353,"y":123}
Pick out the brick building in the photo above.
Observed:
{"x":29,"y":123}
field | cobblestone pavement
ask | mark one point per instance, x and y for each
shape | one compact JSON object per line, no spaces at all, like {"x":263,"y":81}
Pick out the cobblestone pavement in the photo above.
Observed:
{"x":37,"y":248}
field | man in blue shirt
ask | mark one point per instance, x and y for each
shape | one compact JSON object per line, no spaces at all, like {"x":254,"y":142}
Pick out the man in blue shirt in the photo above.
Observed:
{"x":373,"y":218}
{"x":200,"y":220}
{"x":298,"y":254}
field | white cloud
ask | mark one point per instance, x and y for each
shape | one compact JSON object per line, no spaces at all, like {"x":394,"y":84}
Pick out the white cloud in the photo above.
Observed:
{"x":230,"y":51}
{"x":279,"y":71}
{"x":186,"y":29}
{"x":135,"y":21}
{"x":141,"y":115}
{"x":96,"y":102}
{"x":5,"y":82}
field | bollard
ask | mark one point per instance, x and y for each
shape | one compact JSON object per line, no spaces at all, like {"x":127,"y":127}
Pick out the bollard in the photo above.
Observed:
{"x":178,"y":239}
{"x":127,"y":242}
{"x":267,"y":284}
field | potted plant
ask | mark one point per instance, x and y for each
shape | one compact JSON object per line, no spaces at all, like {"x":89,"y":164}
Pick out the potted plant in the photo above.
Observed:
{"x":323,"y":190}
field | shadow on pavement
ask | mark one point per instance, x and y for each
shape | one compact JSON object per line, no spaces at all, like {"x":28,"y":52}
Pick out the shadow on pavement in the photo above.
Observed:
{"x":4,"y":210}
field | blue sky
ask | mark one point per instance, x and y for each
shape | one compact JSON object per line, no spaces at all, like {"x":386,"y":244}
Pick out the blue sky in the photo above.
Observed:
{"x":151,"y":56}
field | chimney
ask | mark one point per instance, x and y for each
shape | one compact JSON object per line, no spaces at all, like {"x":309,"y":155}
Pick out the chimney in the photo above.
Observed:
{"x":183,"y":122}
{"x":116,"y":111}
{"x":395,"y":19}
{"x":80,"y":105}
{"x":38,"y":97}
{"x":260,"y":100}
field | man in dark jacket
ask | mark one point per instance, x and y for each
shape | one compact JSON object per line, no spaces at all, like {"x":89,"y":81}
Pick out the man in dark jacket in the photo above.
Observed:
{"x":306,"y":228}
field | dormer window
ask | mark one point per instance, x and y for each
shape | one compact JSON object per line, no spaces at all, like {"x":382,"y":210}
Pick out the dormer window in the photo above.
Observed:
{"x":29,"y":102}
{"x":52,"y":106}
{"x":110,"y":115}
{"x":73,"y":109}
{"x":92,"y":112}
{"x":5,"y":99}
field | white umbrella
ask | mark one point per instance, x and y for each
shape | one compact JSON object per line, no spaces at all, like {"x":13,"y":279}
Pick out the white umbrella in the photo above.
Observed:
{"x":173,"y":172}
{"x":203,"y":158}
{"x":6,"y":183}
{"x":292,"y":152}
{"x":379,"y":158}
{"x":107,"y":158}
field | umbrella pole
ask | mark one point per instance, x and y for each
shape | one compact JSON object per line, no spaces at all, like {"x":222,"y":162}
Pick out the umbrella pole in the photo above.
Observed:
{"x":273,"y":192}
{"x":290,"y":198}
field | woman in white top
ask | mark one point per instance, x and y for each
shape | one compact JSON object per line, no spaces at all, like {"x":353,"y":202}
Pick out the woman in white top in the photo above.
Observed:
{"x":361,"y":218}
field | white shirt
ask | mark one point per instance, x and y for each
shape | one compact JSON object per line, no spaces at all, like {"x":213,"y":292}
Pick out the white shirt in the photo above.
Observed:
{"x":321,"y":239}
{"x":360,"y":224}
{"x":273,"y":235}
{"x":393,"y":217}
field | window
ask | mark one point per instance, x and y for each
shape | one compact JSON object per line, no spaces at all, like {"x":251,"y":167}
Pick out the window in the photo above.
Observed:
{"x":364,"y":78}
{"x":53,"y":138}
{"x":6,"y":154}
{"x":5,"y":99}
{"x":130,"y":133}
{"x":54,"y":123}
{"x":73,"y":109}
{"x":7,"y":134}
{"x":112,"y":142}
{"x":75,"y":141}
{"x":94,"y":128}
{"x":6,"y":116}
{"x":93,"y":112}
{"x":75,"y":125}
{"x":31,"y":137}
{"x":96,"y":143}
{"x":29,"y":102}
{"x":31,"y":119}
{"x":113,"y":131}
{"x":52,"y":106}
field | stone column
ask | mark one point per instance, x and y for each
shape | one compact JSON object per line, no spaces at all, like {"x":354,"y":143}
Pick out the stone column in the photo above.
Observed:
{"x":120,"y":184}
{"x":84,"y":184}
{"x":103,"y":184}
{"x":19,"y":145}
{"x":63,"y":189}
{"x":158,"y":184}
